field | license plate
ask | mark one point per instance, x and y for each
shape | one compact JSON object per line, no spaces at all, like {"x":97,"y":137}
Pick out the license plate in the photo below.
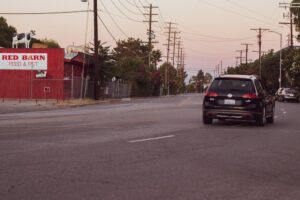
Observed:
{"x":229,"y":102}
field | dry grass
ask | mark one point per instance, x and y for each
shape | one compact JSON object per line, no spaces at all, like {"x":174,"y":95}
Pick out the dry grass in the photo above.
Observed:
{"x":80,"y":102}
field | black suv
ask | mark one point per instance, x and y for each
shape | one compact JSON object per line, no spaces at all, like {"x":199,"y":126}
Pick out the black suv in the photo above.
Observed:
{"x":238,"y":97}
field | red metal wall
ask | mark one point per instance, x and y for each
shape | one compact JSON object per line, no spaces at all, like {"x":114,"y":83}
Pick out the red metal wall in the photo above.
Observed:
{"x":23,"y":84}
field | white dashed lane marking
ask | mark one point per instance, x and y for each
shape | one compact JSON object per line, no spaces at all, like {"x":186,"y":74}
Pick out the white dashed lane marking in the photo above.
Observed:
{"x":283,"y":111}
{"x":151,"y":139}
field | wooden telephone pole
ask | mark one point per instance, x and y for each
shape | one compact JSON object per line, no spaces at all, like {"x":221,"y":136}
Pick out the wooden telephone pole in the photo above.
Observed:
{"x":260,"y":31}
{"x":291,"y":23}
{"x":247,"y":50}
{"x":96,"y":46}
{"x":167,"y":70}
{"x":150,"y":31}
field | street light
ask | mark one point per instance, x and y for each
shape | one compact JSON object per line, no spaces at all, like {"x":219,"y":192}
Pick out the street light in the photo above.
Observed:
{"x":280,"y":64}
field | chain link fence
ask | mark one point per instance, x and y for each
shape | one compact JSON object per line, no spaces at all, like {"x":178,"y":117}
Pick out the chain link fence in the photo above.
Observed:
{"x":60,"y":89}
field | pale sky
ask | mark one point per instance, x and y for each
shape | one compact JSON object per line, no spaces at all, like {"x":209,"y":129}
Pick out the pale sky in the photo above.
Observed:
{"x":211,"y":30}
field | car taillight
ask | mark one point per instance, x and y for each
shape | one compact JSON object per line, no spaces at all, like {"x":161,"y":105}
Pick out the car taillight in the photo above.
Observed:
{"x":250,"y":96}
{"x":211,"y":94}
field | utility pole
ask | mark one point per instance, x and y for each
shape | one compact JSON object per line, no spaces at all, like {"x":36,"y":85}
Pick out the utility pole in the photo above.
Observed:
{"x":280,"y":58}
{"x":291,"y":23}
{"x":181,"y":58}
{"x":221,"y":67}
{"x":96,"y":46}
{"x":174,"y":45}
{"x":167,"y":76}
{"x":260,"y":31}
{"x":178,"y":54}
{"x":247,"y":49}
{"x":169,"y":27}
{"x":262,"y":52}
{"x":237,"y":61}
{"x":241,"y":56}
{"x":150,"y":32}
{"x":291,"y":27}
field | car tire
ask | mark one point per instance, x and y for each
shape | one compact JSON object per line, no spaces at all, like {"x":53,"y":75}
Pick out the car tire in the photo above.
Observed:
{"x":261,"y":119}
{"x":206,"y":119}
{"x":270,"y":120}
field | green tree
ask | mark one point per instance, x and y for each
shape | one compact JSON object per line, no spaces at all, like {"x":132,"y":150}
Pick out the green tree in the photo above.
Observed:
{"x":131,"y":61}
{"x":6,"y":33}
{"x":196,"y":83}
{"x":131,"y":48}
{"x":291,"y":70}
{"x":166,"y":69}
{"x":200,"y":79}
{"x":270,"y":68}
{"x":191,"y":87}
{"x":181,"y":76}
{"x":50,"y":43}
{"x":156,"y":57}
{"x":207,"y":78}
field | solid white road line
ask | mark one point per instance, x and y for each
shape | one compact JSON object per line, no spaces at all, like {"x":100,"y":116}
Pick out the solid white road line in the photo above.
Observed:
{"x":151,"y":139}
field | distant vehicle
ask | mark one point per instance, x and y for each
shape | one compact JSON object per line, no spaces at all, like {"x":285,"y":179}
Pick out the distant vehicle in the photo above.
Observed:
{"x":278,"y":93}
{"x":287,"y":94}
{"x":238,"y":97}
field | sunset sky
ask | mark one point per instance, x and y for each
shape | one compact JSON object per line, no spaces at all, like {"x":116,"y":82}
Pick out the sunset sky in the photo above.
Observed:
{"x":211,"y":30}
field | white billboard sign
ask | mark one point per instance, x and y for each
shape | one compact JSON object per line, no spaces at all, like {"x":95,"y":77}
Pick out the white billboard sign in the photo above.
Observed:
{"x":23,"y":61}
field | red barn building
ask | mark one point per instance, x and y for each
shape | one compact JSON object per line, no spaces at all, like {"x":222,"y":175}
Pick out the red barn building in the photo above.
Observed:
{"x":32,"y":73}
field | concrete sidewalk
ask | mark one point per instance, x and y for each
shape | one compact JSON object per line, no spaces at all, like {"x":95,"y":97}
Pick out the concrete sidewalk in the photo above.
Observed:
{"x":16,"y":106}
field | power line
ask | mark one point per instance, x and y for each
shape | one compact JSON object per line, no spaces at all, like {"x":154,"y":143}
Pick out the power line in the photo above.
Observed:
{"x":247,"y":50}
{"x":46,"y":13}
{"x":141,"y":11}
{"x":113,"y":20}
{"x":211,"y":42}
{"x":128,"y":8}
{"x":138,"y":7}
{"x":121,"y":17}
{"x":161,"y":15}
{"x":141,"y":3}
{"x":236,"y":13}
{"x":110,"y":33}
{"x":147,"y":2}
{"x":123,"y":12}
{"x":250,"y":10}
{"x":216,"y":37}
{"x":133,"y":4}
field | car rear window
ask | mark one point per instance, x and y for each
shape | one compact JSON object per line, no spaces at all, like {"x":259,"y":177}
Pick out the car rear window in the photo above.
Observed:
{"x":232,"y":85}
{"x":290,"y":91}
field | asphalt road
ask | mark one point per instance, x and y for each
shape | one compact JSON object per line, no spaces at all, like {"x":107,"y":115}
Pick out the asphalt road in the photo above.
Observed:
{"x":148,"y":149}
